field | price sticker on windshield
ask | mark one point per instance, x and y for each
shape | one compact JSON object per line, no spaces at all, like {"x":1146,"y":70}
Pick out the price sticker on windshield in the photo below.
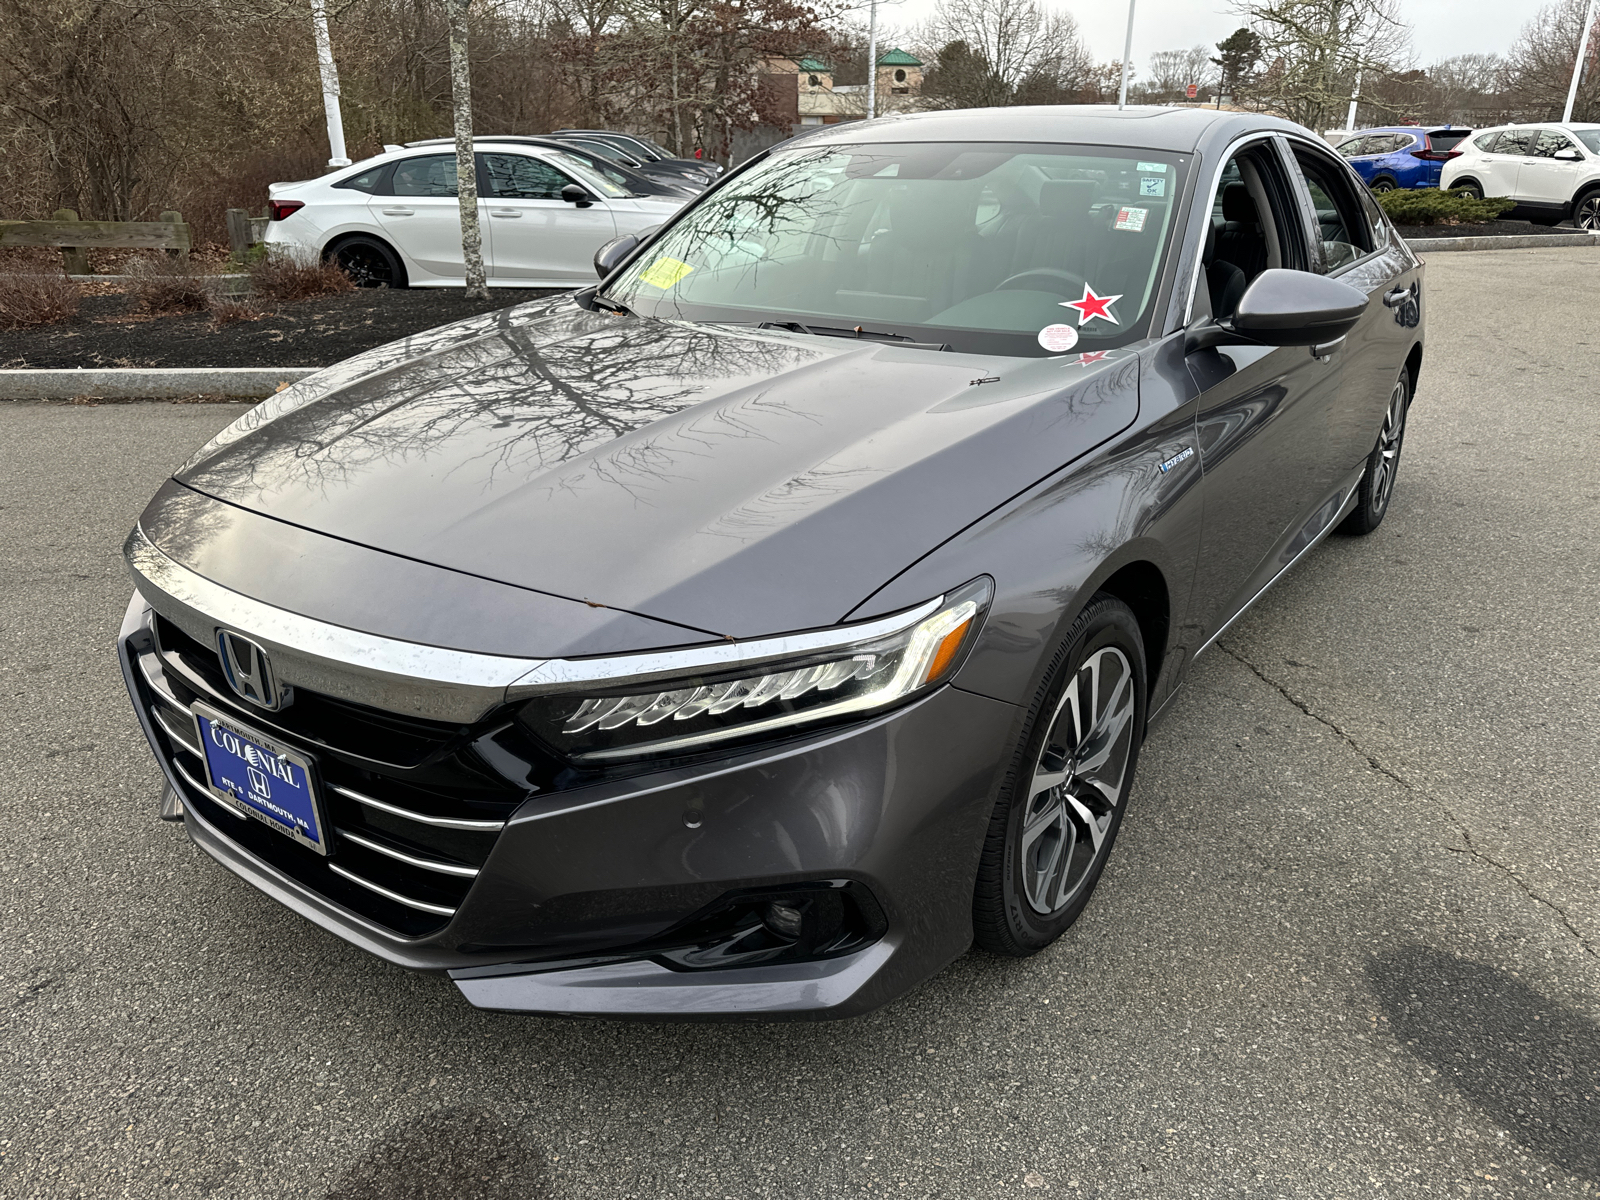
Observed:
{"x":1131,"y":219}
{"x":664,"y":272}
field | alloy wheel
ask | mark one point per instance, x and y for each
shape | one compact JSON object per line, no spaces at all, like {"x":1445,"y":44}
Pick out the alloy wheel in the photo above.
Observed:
{"x":1588,"y":214}
{"x":1389,"y":443}
{"x":367,"y":266}
{"x":1383,"y":185}
{"x":1078,"y":781}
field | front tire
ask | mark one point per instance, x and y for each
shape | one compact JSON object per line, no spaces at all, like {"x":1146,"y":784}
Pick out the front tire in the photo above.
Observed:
{"x":1586,"y":211}
{"x":1063,"y":798}
{"x":1376,"y":488}
{"x":369,"y":261}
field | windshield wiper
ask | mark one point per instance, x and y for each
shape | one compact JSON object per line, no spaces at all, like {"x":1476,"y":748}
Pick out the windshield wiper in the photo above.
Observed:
{"x":854,"y":331}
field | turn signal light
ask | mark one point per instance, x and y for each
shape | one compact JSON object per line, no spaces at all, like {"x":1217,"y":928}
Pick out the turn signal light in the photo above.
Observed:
{"x":277,"y":210}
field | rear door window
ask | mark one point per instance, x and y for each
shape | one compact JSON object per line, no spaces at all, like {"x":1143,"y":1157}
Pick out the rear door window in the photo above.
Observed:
{"x":430,"y":175}
{"x":1345,"y":231}
{"x":1516,"y":141}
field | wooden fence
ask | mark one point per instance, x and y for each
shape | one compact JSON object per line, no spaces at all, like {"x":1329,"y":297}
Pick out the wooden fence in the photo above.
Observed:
{"x":76,"y":238}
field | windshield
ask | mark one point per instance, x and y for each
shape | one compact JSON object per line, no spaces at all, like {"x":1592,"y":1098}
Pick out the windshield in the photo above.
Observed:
{"x":1589,"y":137}
{"x":601,"y":183}
{"x":996,"y":248}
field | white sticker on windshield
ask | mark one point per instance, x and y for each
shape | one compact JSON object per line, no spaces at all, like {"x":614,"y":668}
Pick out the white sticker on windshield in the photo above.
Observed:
{"x":1152,"y":187}
{"x":1058,"y":338}
{"x":1155,"y":168}
{"x":1131,"y":219}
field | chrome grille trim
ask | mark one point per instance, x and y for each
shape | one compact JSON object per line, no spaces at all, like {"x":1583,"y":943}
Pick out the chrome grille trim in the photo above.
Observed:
{"x":394,"y":810}
{"x":157,"y":688}
{"x":420,"y":905}
{"x":365,"y":668}
{"x":183,"y":773}
{"x":426,"y":864}
{"x":176,"y":731}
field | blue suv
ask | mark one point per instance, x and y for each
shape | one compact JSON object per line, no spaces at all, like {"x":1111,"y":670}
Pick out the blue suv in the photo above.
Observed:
{"x":1402,"y":156}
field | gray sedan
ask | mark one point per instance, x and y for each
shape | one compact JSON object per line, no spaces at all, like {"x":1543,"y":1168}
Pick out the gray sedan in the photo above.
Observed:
{"x":754,"y":632}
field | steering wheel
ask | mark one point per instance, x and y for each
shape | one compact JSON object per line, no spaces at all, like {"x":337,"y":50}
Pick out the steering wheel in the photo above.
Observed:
{"x":1045,"y":274}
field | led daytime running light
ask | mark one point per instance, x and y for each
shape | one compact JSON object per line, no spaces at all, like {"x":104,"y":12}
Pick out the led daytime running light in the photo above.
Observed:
{"x":897,"y":671}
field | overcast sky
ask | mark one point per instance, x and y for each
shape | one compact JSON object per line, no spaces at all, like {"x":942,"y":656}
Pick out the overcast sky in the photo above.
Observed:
{"x":1439,"y":28}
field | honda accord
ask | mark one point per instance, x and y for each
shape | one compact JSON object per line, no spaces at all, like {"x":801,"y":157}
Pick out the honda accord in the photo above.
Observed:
{"x":752,"y":633}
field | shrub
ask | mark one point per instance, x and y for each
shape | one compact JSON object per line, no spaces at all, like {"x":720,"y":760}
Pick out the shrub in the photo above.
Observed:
{"x":36,"y":298}
{"x":225,"y":310}
{"x":168,"y":285}
{"x":1430,"y":206}
{"x":284,"y":278}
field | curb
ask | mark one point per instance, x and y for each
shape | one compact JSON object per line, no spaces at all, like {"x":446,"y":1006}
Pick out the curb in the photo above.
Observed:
{"x":1515,"y":241}
{"x":150,"y":383}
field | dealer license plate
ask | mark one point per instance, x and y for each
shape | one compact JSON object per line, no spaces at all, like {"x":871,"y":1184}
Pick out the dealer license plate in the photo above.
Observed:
{"x":255,"y":775}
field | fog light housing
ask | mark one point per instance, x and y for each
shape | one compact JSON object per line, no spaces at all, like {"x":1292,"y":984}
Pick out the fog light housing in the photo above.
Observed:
{"x":785,"y":920}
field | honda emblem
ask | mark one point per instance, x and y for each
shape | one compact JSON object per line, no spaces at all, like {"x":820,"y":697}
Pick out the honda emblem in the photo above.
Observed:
{"x":249,"y":671}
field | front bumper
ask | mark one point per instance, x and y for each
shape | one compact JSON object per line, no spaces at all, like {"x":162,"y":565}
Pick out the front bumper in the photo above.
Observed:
{"x":581,"y":881}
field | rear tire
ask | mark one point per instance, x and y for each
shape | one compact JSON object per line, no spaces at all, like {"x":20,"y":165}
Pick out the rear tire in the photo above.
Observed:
{"x":1376,"y":488}
{"x":370,"y":262}
{"x":1064,"y":794}
{"x":1469,"y":186}
{"x":1383,"y":184}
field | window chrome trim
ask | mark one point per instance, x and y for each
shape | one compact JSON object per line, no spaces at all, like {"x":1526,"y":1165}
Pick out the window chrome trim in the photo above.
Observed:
{"x":419,"y":905}
{"x":394,"y":810}
{"x":1203,"y":203}
{"x":386,"y":673}
{"x":568,"y":674}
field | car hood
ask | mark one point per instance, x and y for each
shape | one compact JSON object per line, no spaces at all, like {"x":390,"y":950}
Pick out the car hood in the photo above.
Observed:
{"x":736,"y":481}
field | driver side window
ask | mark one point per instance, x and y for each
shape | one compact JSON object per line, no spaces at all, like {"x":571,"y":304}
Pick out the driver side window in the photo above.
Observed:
{"x":1243,"y":238}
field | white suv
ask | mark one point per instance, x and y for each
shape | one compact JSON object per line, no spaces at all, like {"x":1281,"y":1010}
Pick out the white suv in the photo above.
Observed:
{"x":393,"y":220}
{"x":1552,"y":171}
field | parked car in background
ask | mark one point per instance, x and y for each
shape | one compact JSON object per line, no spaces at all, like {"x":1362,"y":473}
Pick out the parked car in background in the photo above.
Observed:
{"x":669,"y":172}
{"x":393,"y":220}
{"x":1402,"y":156}
{"x":637,"y":182}
{"x":1551,"y":170}
{"x":646,"y":151}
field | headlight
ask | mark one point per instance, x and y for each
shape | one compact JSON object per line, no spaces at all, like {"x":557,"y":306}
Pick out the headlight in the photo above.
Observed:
{"x":686,"y":700}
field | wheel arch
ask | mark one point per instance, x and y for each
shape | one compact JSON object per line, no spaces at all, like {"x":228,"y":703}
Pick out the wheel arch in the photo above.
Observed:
{"x":350,"y":235}
{"x":1143,"y":588}
{"x":1414,"y":367}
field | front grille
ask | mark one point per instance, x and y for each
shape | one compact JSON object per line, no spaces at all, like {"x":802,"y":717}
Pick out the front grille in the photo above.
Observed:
{"x":414,"y":806}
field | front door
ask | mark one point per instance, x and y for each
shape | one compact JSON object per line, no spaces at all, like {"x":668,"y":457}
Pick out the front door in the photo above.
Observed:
{"x":421,"y":216}
{"x":1546,"y":179}
{"x":538,"y":236}
{"x":1263,"y":412}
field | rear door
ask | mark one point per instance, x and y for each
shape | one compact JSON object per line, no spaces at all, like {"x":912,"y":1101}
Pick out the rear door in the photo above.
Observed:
{"x":1356,"y":248}
{"x":420,"y":215}
{"x":1263,"y":413}
{"x":1502,"y":165}
{"x":539,"y":237}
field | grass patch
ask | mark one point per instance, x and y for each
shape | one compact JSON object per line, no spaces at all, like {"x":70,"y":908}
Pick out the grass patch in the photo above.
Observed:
{"x":32,"y":298}
{"x":1430,"y":206}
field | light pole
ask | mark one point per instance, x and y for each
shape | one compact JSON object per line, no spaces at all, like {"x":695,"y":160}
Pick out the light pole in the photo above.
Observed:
{"x":1127,"y":49}
{"x":872,"y":60}
{"x":330,"y":86}
{"x":1577,"y":67}
{"x":1350,"y":118}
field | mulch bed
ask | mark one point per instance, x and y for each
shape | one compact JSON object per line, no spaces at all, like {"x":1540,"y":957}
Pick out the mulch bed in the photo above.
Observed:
{"x":1487,"y":229}
{"x":308,"y":333}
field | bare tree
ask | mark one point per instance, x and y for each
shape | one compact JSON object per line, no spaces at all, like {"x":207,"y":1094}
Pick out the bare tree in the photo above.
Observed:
{"x":989,"y":50}
{"x":466,"y":167}
{"x":1172,"y":71}
{"x":1538,"y":67}
{"x":1313,"y":48}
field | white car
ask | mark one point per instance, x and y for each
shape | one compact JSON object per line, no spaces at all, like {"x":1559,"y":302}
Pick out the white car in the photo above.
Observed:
{"x":1551,"y":170}
{"x":393,"y":220}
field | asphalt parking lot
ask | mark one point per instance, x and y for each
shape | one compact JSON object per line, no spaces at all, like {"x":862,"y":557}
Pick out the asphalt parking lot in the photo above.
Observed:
{"x":1349,"y":944}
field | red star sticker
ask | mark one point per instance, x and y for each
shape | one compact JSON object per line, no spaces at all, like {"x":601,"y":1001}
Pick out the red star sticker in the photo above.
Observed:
{"x":1093,"y":357}
{"x":1092,"y":306}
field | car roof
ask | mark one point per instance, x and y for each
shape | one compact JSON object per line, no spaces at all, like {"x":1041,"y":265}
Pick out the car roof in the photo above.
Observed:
{"x":1181,"y":130}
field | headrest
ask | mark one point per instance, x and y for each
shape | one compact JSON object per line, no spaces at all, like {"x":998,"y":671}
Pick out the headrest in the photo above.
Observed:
{"x":1238,"y":205}
{"x":1066,"y":197}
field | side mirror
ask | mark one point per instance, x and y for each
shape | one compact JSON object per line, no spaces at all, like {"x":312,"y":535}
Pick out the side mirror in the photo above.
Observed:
{"x":609,"y":256}
{"x":1284,"y":308}
{"x":1567,"y":155}
{"x":575,"y":193}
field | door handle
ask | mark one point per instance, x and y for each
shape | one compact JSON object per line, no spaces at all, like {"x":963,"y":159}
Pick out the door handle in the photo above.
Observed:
{"x":504,"y":212}
{"x":1396,"y":297}
{"x":398,"y":212}
{"x":1326,"y":350}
